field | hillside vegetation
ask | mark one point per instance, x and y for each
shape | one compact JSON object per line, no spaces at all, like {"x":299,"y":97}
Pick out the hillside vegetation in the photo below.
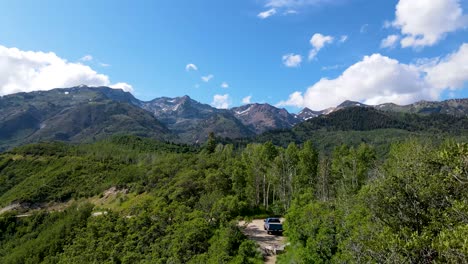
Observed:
{"x":354,"y":125}
{"x":180,"y":204}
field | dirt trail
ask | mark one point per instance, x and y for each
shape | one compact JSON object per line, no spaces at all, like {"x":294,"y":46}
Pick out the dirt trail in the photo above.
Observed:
{"x":268,"y":243}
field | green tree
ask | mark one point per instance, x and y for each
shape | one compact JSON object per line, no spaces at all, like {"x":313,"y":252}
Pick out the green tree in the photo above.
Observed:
{"x":306,"y":179}
{"x":211,"y":143}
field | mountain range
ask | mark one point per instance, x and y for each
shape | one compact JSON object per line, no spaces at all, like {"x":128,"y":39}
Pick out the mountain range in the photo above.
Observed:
{"x":84,"y":114}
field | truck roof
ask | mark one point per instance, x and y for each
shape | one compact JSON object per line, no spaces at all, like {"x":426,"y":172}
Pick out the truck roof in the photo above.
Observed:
{"x":273,"y":220}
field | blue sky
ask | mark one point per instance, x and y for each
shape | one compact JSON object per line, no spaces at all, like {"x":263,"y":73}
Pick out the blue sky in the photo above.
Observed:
{"x":146,"y":45}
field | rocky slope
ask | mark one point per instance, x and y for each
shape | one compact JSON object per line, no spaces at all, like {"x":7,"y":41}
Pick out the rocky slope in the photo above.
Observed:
{"x":263,"y":117}
{"x":192,"y":121}
{"x":74,"y":114}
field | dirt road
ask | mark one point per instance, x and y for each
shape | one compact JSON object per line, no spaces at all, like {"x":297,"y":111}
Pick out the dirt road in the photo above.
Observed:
{"x":268,"y":243}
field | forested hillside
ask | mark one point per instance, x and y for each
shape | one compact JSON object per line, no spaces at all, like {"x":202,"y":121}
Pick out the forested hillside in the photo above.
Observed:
{"x":412,"y":208}
{"x":354,"y":125}
{"x":134,"y":200}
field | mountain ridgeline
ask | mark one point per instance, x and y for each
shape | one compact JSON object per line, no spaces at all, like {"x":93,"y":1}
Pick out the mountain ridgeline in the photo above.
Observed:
{"x":86,"y":114}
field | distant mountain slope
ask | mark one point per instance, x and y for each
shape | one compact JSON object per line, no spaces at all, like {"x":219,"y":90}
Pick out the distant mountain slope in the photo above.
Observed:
{"x":306,"y":114}
{"x":169,"y":110}
{"x":369,"y":118}
{"x":263,"y":117}
{"x":355,"y":118}
{"x":73,"y":114}
{"x":354,"y":125}
{"x":98,"y":120}
{"x":192,"y":121}
{"x":455,"y":107}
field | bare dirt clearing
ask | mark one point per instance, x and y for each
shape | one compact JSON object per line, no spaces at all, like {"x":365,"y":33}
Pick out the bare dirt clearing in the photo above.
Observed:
{"x":270,"y":244}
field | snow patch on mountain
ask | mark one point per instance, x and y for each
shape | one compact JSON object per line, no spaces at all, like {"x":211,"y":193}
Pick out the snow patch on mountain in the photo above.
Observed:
{"x":246,"y":111}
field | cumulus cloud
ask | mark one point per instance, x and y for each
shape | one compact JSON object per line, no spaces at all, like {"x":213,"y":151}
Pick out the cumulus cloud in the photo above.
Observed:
{"x":267,"y":14}
{"x":26,"y":71}
{"x":450,"y":72}
{"x":379,"y":79}
{"x":295,"y":99}
{"x":220,"y":101}
{"x":191,"y":67}
{"x":292,"y":60}
{"x":87,"y":58}
{"x":247,"y":99}
{"x":318,"y":41}
{"x":121,"y":85}
{"x":207,"y":78}
{"x":224,"y":85}
{"x":390,"y":41}
{"x":426,"y":22}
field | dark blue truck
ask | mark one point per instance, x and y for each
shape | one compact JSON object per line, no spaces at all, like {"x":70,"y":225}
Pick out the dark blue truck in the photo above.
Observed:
{"x":273,"y":225}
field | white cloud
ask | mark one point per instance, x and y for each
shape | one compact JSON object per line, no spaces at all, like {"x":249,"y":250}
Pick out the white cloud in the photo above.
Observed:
{"x":104,"y":64}
{"x":207,"y":78}
{"x":295,"y":99}
{"x":390,"y":41}
{"x":191,"y":67}
{"x":292,"y":60}
{"x":267,"y":14}
{"x":26,"y":71}
{"x":343,"y":38}
{"x":375,"y":79}
{"x":87,"y":58}
{"x":426,"y":22}
{"x":247,"y":99}
{"x":224,"y":85}
{"x":121,"y":85}
{"x":451,"y":72}
{"x":379,"y":79}
{"x":318,"y":41}
{"x":220,"y":101}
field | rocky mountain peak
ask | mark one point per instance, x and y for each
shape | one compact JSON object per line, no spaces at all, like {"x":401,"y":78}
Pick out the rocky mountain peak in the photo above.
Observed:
{"x":263,"y":117}
{"x":307,"y":113}
{"x":349,"y":103}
